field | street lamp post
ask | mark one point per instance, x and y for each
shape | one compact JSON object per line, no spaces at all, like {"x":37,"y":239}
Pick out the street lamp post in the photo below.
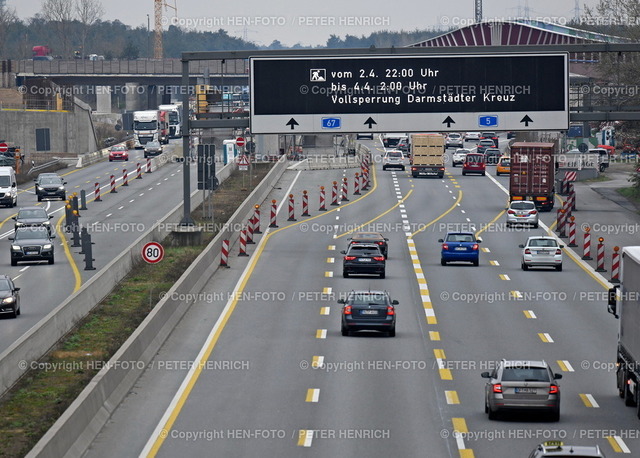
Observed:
{"x":148,"y":33}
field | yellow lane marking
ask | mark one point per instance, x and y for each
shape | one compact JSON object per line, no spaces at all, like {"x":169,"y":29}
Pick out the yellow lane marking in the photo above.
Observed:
{"x":529,"y":314}
{"x":504,"y":277}
{"x":317,"y":361}
{"x":439,"y":354}
{"x":460,"y":425}
{"x":434,"y":335}
{"x":445,"y":374}
{"x":545,"y":337}
{"x":331,"y":247}
{"x":321,"y":334}
{"x":431,"y":316}
{"x":328,"y":274}
{"x":325,"y":310}
{"x":327,"y":290}
{"x":67,"y":252}
{"x":452,"y":397}
{"x":312,"y":395}
{"x":485,"y":250}
{"x":589,"y":401}
{"x":331,"y":260}
{"x":305,"y":437}
{"x":466,"y":453}
{"x":490,"y":223}
{"x":565,"y":365}
{"x":515,"y":294}
{"x":494,"y":263}
{"x":617,"y":444}
{"x":458,"y":200}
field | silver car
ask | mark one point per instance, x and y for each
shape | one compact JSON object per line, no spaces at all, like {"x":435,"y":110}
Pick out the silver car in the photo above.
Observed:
{"x":393,"y":159}
{"x":522,"y":385}
{"x":458,"y":156}
{"x":522,"y":212}
{"x":542,"y":251}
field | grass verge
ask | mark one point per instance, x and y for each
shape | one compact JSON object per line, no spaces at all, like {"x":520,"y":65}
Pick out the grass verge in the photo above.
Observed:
{"x":33,"y":405}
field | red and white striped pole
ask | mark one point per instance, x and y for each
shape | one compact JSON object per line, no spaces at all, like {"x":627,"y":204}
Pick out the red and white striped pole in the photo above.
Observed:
{"x":97,"y":193}
{"x":363,"y":178}
{"x":562,"y":220}
{"x":586,"y":252}
{"x":615,"y":265}
{"x":113,"y":184}
{"x":139,"y":171}
{"x":356,"y":185}
{"x":305,"y":203}
{"x":572,"y":197}
{"x":250,"y":232}
{"x":600,"y":259}
{"x":148,"y":165}
{"x":345,"y":186}
{"x":291,"y":209}
{"x":125,"y":178}
{"x":274,"y":209}
{"x":572,"y":232}
{"x":323,"y":207}
{"x":334,"y":194}
{"x":224,"y":254}
{"x":256,"y":219}
{"x":243,"y":243}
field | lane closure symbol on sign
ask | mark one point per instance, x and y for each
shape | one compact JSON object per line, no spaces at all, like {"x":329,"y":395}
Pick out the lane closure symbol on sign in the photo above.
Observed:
{"x":152,"y":252}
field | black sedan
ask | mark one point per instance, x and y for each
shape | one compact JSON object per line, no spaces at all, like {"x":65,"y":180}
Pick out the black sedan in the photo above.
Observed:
{"x":9,"y":297}
{"x":363,"y":259}
{"x":375,"y":238}
{"x":32,"y":244}
{"x":368,"y":311}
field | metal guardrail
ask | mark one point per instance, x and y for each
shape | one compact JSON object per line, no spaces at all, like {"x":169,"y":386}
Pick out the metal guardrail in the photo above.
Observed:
{"x":44,"y":166}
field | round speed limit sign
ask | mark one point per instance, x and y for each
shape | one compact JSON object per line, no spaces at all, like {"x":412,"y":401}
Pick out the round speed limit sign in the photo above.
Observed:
{"x":152,"y":252}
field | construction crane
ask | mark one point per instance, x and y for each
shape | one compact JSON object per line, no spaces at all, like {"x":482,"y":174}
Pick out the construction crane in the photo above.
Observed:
{"x":157,"y":44}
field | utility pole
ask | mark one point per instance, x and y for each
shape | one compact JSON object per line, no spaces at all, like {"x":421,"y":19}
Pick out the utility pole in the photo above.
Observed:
{"x":148,"y":34}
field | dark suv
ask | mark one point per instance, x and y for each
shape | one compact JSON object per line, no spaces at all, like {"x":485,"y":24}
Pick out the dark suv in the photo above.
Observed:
{"x":368,"y":311}
{"x":32,"y":244}
{"x":363,"y":258}
{"x":9,"y":297}
{"x":50,"y":185}
{"x":33,"y":216}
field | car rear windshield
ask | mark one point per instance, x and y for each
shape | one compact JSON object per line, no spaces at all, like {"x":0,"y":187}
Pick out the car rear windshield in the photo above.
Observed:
{"x":395,"y":155}
{"x":543,"y":242}
{"x":364,"y":251}
{"x":460,"y":238}
{"x":368,"y":299}
{"x":522,"y":374}
{"x":523,"y":205}
{"x":474,"y":158}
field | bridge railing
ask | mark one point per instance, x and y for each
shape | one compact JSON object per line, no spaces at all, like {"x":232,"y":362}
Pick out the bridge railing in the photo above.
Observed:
{"x":136,"y":67}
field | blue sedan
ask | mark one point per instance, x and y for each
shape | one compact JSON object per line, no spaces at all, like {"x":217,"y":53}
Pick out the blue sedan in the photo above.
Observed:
{"x":460,"y":246}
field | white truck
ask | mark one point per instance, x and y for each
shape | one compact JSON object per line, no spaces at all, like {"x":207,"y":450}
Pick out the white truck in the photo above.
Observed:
{"x":624,"y":304}
{"x":175,"y":118}
{"x":146,"y":127}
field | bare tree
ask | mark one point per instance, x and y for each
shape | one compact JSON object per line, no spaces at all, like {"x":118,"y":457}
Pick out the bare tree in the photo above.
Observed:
{"x":88,"y":13}
{"x":7,"y":17}
{"x":60,"y":13}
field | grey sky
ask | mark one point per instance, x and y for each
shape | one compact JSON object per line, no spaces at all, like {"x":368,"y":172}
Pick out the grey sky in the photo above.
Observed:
{"x":312,"y":22}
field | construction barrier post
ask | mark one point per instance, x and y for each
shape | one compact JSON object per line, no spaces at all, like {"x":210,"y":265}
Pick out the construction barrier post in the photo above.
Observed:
{"x":572,"y":232}
{"x":291,"y":209}
{"x":125,"y":178}
{"x":97,"y":193}
{"x":572,"y":197}
{"x":243,"y":243}
{"x":615,"y":265}
{"x":148,"y":165}
{"x":334,"y":194}
{"x":224,"y":254}
{"x":345,"y":187}
{"x":256,"y":219}
{"x":356,"y":185}
{"x":323,"y":207}
{"x":274,"y":209}
{"x":600,"y":253}
{"x":113,"y":184}
{"x":139,"y":171}
{"x":305,"y":203}
{"x":250,"y":232}
{"x":586,"y":253}
{"x":562,"y":220}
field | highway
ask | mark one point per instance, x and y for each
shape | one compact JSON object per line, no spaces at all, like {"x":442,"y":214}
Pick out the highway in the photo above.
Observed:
{"x":114,"y":223}
{"x":274,"y":377}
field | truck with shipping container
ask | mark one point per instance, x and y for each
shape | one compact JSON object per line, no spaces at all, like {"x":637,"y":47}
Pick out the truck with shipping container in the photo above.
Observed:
{"x":427,"y":155}
{"x":146,"y":127}
{"x":532,"y":176}
{"x":624,"y":304}
{"x":175,"y":119}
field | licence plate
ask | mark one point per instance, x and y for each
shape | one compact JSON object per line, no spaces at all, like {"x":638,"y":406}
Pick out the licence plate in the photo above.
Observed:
{"x":31,"y":252}
{"x":543,"y":252}
{"x":460,"y":248}
{"x":364,"y":259}
{"x":527,"y":390}
{"x":368,"y":312}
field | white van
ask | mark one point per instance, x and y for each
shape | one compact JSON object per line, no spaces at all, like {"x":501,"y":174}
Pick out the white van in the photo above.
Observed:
{"x":8,"y":187}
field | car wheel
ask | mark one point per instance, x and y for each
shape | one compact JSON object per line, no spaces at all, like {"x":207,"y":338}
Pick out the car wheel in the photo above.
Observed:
{"x":392,"y":333}
{"x":18,"y":312}
{"x":14,"y":262}
{"x":382,"y":275}
{"x":486,"y":407}
{"x":403,"y":169}
{"x":524,"y":266}
{"x":493,"y":415}
{"x":483,"y":173}
{"x":110,"y":160}
{"x":52,"y":260}
{"x":535,"y":226}
{"x":508,"y":224}
{"x":39,"y":198}
{"x":559,"y":268}
{"x":464,"y":173}
{"x":629,"y":399}
{"x":497,"y":174}
{"x":443,"y":262}
{"x":476,"y":262}
{"x":345,"y":332}
{"x":555,"y":415}
{"x":345,"y":274}
{"x":13,"y":314}
{"x":384,"y":168}
{"x":64,"y":197}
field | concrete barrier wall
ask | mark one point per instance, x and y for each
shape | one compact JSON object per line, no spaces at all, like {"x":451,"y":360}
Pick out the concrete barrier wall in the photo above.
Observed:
{"x":74,"y":431}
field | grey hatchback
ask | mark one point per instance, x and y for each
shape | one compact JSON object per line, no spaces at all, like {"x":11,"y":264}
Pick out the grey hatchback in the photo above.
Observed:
{"x":522,"y":385}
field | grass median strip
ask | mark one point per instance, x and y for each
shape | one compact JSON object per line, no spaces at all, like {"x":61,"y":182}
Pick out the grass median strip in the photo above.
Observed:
{"x":33,"y":405}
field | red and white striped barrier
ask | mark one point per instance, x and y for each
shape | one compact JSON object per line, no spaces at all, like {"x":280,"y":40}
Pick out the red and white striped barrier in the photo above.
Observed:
{"x":572,"y":232}
{"x":113,"y":184}
{"x":323,"y":207}
{"x":586,"y":252}
{"x":356,"y":185}
{"x":571,"y":201}
{"x":345,"y":186}
{"x":562,"y":220}
{"x":363,"y":180}
{"x":274,"y":210}
{"x":256,"y":219}
{"x":334,"y":194}
{"x":291,"y":208}
{"x":305,"y":203}
{"x":615,"y":265}
{"x":600,"y":258}
{"x":125,"y":178}
{"x":139,"y":171}
{"x":250,"y":232}
{"x":243,"y":243}
{"x":224,"y":254}
{"x":97,"y":193}
{"x":148,"y":165}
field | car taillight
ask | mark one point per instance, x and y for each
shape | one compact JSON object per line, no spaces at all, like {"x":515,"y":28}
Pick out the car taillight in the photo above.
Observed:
{"x":380,"y":243}
{"x":390,"y":310}
{"x":527,"y":251}
{"x":347,"y":310}
{"x":497,"y":388}
{"x":554,"y":389}
{"x":349,"y":258}
{"x":558,"y":251}
{"x":414,"y":168}
{"x":533,"y":212}
{"x":378,"y":258}
{"x":511,"y":212}
{"x":475,"y":246}
{"x":445,"y":247}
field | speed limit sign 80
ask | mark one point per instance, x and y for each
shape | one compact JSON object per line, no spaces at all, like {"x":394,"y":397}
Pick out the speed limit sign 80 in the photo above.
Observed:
{"x":152,"y":252}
